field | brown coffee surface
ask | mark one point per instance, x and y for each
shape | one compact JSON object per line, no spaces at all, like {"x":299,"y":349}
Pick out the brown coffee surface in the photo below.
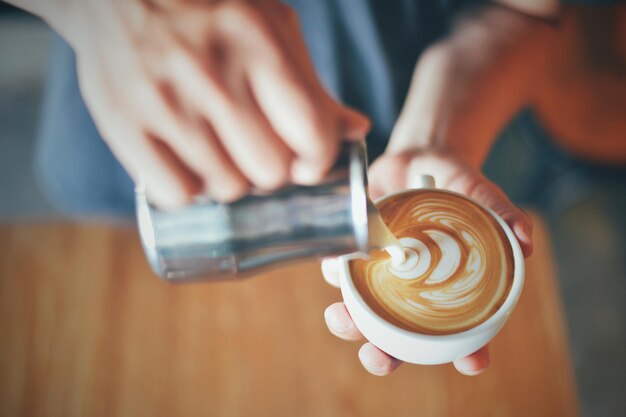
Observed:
{"x":459,"y":268}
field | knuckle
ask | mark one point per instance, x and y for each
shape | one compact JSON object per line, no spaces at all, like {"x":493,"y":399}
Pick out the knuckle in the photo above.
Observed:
{"x":238,"y":15}
{"x":251,"y":29}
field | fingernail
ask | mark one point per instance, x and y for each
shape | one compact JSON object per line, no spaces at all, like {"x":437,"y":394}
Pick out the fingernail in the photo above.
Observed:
{"x":473,"y":373}
{"x":336,"y":324}
{"x":467,"y":372}
{"x":372,"y":368}
{"x":329,"y":267}
{"x":520,"y":229}
{"x":527,"y":229}
{"x":376,"y":370}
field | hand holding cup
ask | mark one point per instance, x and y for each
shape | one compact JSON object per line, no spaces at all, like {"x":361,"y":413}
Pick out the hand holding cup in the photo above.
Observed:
{"x":430,"y":348}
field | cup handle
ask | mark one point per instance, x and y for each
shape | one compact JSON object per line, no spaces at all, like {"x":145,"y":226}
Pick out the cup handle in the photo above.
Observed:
{"x":423,"y":181}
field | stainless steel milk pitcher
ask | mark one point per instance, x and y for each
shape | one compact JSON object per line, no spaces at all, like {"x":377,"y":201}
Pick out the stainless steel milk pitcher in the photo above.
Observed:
{"x":208,"y":240}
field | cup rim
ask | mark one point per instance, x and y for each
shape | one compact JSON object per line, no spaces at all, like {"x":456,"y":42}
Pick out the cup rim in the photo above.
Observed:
{"x":494,"y":319}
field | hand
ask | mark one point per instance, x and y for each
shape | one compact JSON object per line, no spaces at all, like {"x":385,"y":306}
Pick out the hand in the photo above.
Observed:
{"x":206,"y":97}
{"x":392,"y":173}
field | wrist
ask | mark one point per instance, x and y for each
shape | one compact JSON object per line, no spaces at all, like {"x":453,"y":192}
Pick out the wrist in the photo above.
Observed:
{"x":437,"y":114}
{"x":466,"y":87}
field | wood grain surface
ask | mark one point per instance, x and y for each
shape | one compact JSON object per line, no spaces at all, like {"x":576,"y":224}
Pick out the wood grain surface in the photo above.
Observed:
{"x":87,"y":330}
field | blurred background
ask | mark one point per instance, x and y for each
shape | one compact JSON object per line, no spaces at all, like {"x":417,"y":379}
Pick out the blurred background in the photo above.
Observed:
{"x":548,"y":160}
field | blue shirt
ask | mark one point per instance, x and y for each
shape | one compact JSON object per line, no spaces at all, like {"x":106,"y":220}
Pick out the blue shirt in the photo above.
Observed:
{"x":364,"y":52}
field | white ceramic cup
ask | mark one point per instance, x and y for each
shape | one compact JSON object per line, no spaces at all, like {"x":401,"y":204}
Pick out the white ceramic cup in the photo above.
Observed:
{"x":422,"y":348}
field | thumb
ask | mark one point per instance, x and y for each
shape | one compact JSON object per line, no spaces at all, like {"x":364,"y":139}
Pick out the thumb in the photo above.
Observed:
{"x":454,"y":175}
{"x":522,"y":226}
{"x":330,"y":271}
{"x":487,"y":193}
{"x":388,"y":174}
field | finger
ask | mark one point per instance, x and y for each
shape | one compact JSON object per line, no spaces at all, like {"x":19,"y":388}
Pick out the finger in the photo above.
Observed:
{"x":308,"y":170}
{"x":302,"y":120}
{"x":355,"y":124}
{"x":523,"y":229}
{"x":169,"y":184}
{"x":330,"y":271}
{"x":253,"y":145}
{"x":301,"y":113}
{"x":224,"y":181}
{"x":340,"y":323}
{"x":195,"y":144}
{"x":388,"y":174}
{"x":474,"y":364}
{"x":487,"y":193}
{"x":287,"y":26}
{"x":240,"y":127}
{"x":457,"y":176}
{"x":285,"y":20}
{"x":168,"y":181}
{"x":377,"y":362}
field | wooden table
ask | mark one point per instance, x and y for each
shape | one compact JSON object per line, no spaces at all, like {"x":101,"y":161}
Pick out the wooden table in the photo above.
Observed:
{"x":87,"y":330}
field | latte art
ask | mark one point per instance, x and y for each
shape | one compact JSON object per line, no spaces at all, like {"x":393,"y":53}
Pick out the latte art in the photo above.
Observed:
{"x":456,"y":272}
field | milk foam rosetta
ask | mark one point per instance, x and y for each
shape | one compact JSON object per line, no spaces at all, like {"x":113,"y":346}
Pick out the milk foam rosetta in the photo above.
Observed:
{"x":458,"y":266}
